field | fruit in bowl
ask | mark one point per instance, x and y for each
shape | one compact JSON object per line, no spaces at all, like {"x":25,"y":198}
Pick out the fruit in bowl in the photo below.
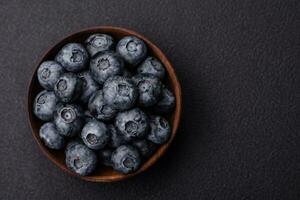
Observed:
{"x":109,"y":106}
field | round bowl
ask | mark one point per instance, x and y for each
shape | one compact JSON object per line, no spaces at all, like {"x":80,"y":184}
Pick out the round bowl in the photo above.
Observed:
{"x":104,"y":174}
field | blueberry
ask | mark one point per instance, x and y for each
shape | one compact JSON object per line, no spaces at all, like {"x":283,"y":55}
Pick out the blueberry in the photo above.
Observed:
{"x":89,"y":86}
{"x":80,"y":159}
{"x":116,"y":138}
{"x":45,"y":104}
{"x":132,"y":50}
{"x":149,"y":89}
{"x":126,"y":159}
{"x":132,"y":123}
{"x":69,"y":120}
{"x":166,"y":102}
{"x":146,"y":148}
{"x":105,"y":156}
{"x":119,"y":92}
{"x":99,"y":43}
{"x":68,"y":87}
{"x":72,"y":142}
{"x":50,"y":136}
{"x":73,"y":57}
{"x":48,"y":73}
{"x":99,"y":108}
{"x":105,"y":65}
{"x":153,"y":67}
{"x":160,"y":130}
{"x":95,"y":134}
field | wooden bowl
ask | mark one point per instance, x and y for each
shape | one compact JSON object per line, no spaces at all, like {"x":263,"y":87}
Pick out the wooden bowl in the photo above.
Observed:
{"x":104,"y":174}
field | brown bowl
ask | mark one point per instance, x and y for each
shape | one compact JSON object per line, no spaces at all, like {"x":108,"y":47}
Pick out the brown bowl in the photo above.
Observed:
{"x":104,"y":174}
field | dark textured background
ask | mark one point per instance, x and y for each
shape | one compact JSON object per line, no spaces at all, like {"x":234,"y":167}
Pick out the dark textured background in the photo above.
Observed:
{"x":238,"y":63}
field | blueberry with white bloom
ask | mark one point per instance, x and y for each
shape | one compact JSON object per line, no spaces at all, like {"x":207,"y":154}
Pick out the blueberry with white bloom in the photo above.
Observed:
{"x":99,"y":108}
{"x":73,"y":57}
{"x":68,"y":87}
{"x":99,"y":43}
{"x":160,"y":130}
{"x":132,"y":123}
{"x":126,"y":159}
{"x":50,"y":136}
{"x":69,"y":120}
{"x":48,"y":73}
{"x":45,"y":104}
{"x":95,"y":134}
{"x":151,"y":66}
{"x":105,"y":65}
{"x":80,"y":159}
{"x":132,"y":49}
{"x":149,"y":89}
{"x":120,"y":92}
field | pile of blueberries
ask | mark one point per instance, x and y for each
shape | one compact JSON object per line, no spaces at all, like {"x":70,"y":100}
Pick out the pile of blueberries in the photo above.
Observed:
{"x":103,"y":103}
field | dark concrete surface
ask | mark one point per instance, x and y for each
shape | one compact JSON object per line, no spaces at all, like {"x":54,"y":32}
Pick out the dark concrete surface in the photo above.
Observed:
{"x":238,"y":63}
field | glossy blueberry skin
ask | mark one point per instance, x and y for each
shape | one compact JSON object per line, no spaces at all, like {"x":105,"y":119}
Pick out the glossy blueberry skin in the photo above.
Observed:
{"x":95,"y":135}
{"x":160,"y":130}
{"x":146,"y":148}
{"x":48,"y":73}
{"x":99,"y":43}
{"x":73,"y":57}
{"x":80,"y":159}
{"x":69,"y":120}
{"x":151,"y":66}
{"x":68,"y":87}
{"x":89,"y":86}
{"x":45,"y":104}
{"x":149,"y":89}
{"x":132,"y":50}
{"x":99,"y":108}
{"x":120,"y":92}
{"x":105,"y":156}
{"x":116,"y":138}
{"x":126,"y":159}
{"x":166,"y":103}
{"x":50,"y":136}
{"x":132,"y":123}
{"x":105,"y":65}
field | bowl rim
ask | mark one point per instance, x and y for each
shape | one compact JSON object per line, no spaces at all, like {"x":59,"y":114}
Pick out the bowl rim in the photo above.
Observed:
{"x":177,"y":112}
